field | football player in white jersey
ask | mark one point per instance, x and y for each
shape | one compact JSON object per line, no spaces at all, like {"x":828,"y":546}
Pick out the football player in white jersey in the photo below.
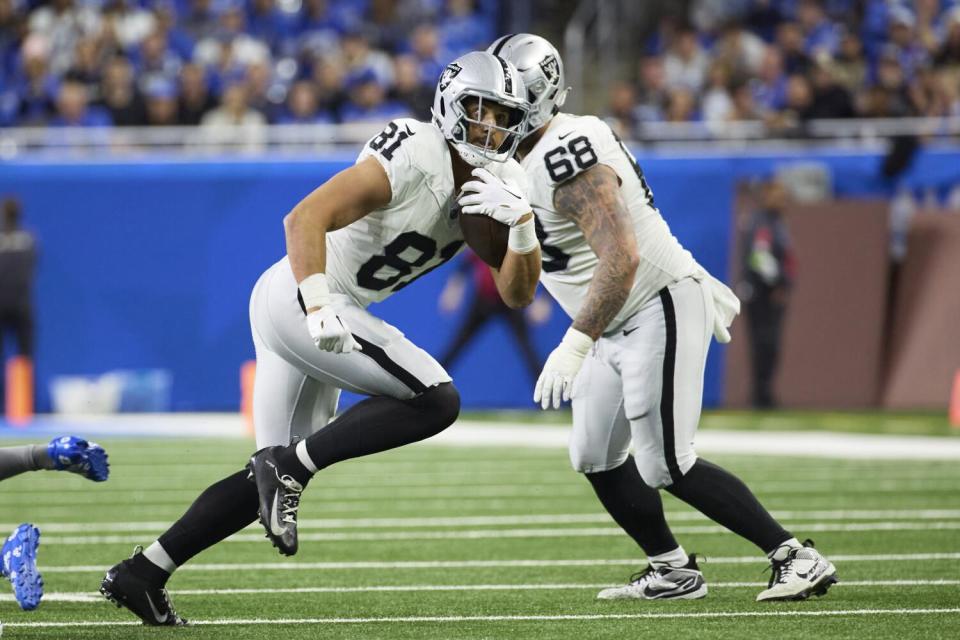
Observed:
{"x":364,"y":234}
{"x":633,"y":360}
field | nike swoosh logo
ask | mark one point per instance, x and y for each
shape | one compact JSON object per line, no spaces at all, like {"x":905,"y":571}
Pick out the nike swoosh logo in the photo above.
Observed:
{"x":511,"y":193}
{"x":627,"y":332}
{"x":275,"y":527}
{"x":156,"y":614}
{"x":409,"y":131}
{"x":564,"y":135}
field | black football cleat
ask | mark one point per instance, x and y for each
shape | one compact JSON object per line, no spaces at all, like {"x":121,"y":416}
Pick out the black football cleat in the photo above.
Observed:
{"x":147,"y":601}
{"x":279,"y":499}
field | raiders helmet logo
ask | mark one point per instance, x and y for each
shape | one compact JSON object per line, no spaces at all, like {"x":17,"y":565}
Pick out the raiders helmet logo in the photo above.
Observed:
{"x":551,"y":69}
{"x":451,"y":72}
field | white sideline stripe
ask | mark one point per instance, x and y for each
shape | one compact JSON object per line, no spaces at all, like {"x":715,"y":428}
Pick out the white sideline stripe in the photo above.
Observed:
{"x":504,"y":618}
{"x":65,"y":596}
{"x":480,"y":521}
{"x":476,"y":564}
{"x":475,"y":433}
{"x":499,"y":534}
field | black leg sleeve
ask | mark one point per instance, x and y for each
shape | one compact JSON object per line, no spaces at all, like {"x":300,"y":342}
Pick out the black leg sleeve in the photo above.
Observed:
{"x":635,"y":506}
{"x":223,"y":509}
{"x":725,"y":499}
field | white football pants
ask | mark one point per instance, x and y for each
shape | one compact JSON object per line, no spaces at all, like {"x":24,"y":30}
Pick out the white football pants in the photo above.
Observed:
{"x":297,"y":385}
{"x":643,"y":386}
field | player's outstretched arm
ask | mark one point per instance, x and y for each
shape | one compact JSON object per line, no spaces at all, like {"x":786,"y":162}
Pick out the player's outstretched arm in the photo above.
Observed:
{"x":345,"y":198}
{"x":341,"y":200}
{"x":594,"y":202}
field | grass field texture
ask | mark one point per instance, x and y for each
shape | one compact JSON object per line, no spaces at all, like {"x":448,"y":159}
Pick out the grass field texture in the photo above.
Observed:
{"x":450,"y":542}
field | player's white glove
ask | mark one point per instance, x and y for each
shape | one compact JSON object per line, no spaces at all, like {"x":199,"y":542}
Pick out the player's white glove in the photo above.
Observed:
{"x":556,"y":379}
{"x":330,"y":332}
{"x":726,"y":306}
{"x":488,"y":195}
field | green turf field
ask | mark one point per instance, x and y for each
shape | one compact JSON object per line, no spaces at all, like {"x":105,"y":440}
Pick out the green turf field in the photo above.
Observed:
{"x":435,"y":542}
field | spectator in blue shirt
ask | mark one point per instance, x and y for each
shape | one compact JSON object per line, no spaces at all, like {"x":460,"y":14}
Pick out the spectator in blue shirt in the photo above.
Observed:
{"x":34,"y":84}
{"x":425,"y":47}
{"x":769,"y":88}
{"x":161,"y":102}
{"x":73,"y":109}
{"x":200,"y":20}
{"x":821,"y":35}
{"x":464,"y":29}
{"x":367,"y":101}
{"x":910,"y":53}
{"x":156,"y":59}
{"x":267,"y":23}
{"x":165,"y":22}
{"x":302,"y":106}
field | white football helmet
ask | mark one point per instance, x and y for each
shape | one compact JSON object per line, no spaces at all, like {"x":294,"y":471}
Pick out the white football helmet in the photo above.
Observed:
{"x":540,"y":66}
{"x":484,"y":77}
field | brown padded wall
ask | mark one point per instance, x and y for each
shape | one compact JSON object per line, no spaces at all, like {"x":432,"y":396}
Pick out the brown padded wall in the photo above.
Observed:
{"x":925,"y":341}
{"x":832,"y":343}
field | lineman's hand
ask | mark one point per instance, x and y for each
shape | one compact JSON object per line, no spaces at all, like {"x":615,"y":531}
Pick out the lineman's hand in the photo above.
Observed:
{"x":556,"y":379}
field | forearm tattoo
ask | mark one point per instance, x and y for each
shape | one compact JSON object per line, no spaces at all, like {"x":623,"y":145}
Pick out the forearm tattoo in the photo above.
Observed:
{"x":593,"y":201}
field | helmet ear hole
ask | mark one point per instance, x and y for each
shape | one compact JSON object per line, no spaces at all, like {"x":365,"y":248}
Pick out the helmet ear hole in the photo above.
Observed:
{"x":443,"y":108}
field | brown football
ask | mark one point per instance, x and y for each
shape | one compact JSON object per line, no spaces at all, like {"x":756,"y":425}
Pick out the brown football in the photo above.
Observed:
{"x":486,"y":236}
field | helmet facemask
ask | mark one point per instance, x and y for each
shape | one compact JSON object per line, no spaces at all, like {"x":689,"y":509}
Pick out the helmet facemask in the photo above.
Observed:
{"x":510,"y":122}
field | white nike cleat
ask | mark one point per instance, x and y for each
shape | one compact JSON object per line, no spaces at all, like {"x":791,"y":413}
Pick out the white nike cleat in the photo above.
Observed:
{"x":664,"y":583}
{"x":801,"y":574}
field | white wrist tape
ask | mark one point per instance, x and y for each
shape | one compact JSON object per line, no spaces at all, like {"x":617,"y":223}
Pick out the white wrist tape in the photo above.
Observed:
{"x":523,"y":237}
{"x":577,"y":341}
{"x":314,"y":290}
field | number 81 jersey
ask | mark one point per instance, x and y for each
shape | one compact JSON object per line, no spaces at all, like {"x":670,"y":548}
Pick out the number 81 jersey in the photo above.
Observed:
{"x":418,"y":231}
{"x":570,"y":146}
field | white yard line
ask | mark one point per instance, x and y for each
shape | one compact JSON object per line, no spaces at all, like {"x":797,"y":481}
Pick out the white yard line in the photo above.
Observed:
{"x":506,"y":618}
{"x":482,"y":521}
{"x":381,"y":491}
{"x":484,"y":564}
{"x":527,"y":533}
{"x":65,"y":596}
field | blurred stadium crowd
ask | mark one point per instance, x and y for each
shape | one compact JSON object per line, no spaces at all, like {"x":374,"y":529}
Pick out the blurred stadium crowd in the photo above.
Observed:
{"x":784,"y":62}
{"x":95,"y":63}
{"x":252,"y":62}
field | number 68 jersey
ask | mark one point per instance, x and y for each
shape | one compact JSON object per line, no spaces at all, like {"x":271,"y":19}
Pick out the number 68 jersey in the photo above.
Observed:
{"x":571,"y":145}
{"x":418,"y":231}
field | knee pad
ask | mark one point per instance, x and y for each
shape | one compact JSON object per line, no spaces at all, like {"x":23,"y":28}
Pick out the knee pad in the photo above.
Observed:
{"x":653,"y":470}
{"x":583,"y":462}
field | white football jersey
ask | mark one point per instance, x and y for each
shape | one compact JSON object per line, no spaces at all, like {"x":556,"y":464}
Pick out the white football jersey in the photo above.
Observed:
{"x":571,"y":145}
{"x":418,"y":231}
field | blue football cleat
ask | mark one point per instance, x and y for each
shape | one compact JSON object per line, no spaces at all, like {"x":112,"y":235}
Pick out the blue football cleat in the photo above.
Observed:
{"x":20,"y":565}
{"x":76,"y":455}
